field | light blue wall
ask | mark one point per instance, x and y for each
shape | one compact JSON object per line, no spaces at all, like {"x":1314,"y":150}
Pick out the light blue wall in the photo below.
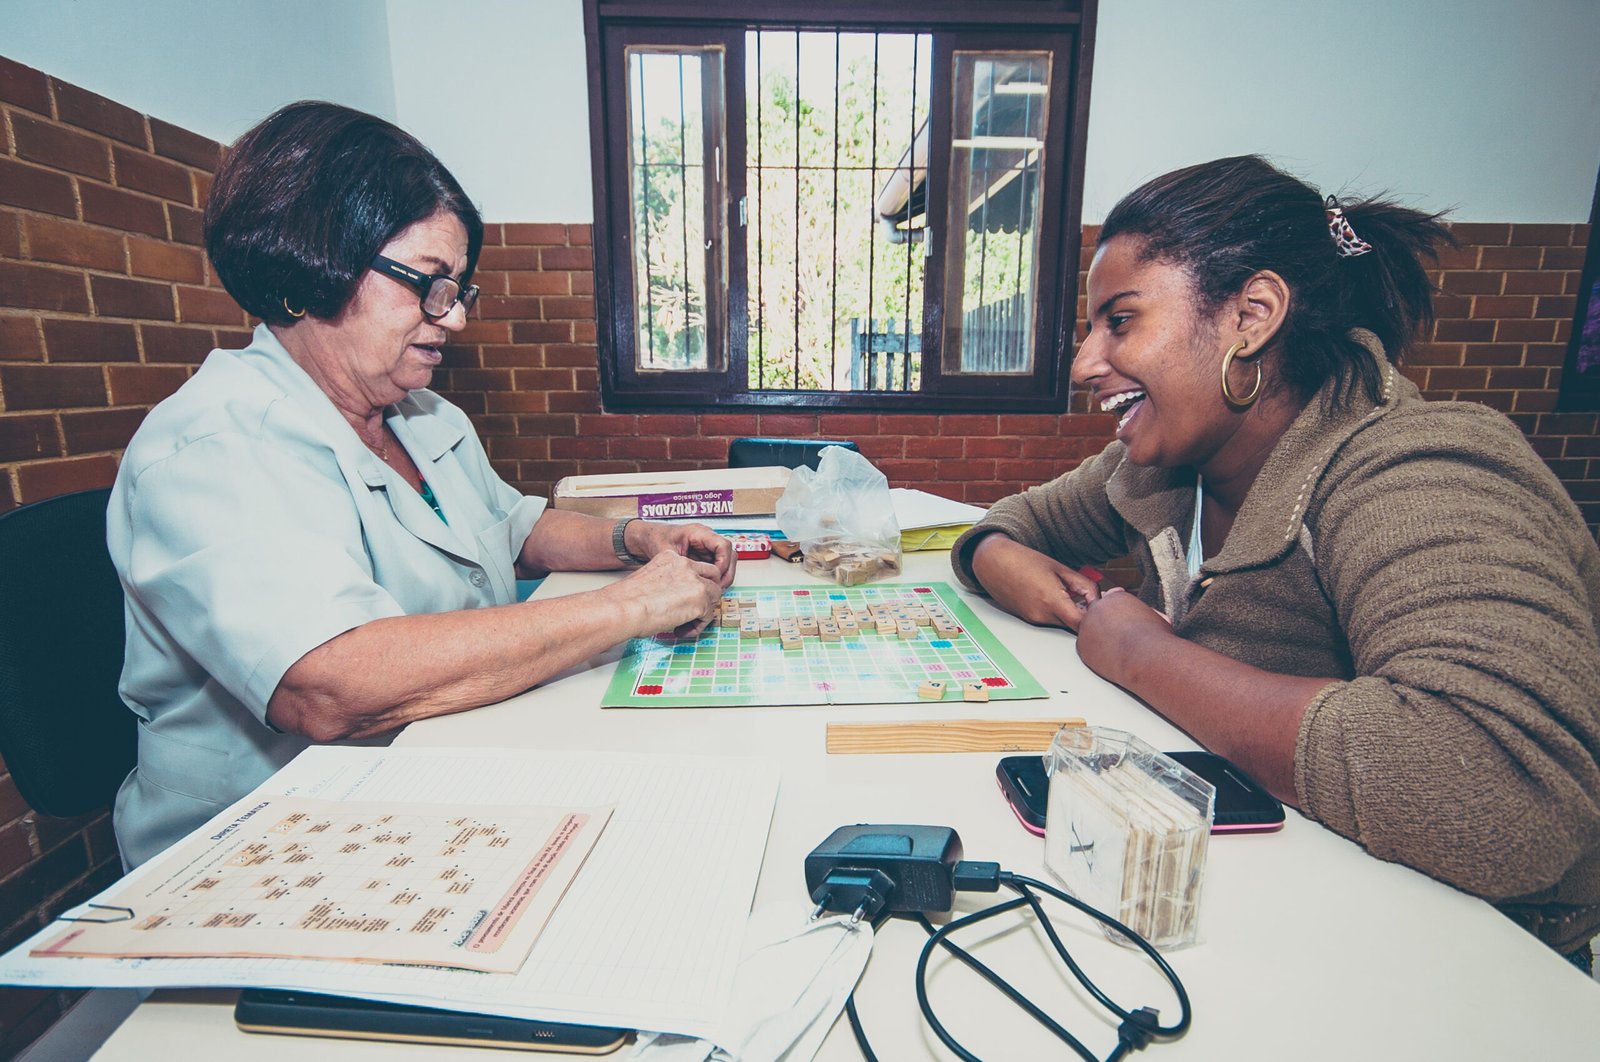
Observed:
{"x":215,"y":67}
{"x":1486,"y":107}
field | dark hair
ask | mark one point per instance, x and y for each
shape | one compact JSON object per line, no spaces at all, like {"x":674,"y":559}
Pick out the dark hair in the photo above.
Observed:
{"x":305,"y":199}
{"x":1225,"y":220}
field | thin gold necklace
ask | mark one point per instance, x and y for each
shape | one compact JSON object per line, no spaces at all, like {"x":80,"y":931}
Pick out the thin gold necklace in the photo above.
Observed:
{"x":382,"y":449}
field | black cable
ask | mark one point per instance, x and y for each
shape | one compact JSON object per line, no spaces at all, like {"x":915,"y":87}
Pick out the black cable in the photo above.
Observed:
{"x":1136,"y":1029}
{"x":850,"y":1004}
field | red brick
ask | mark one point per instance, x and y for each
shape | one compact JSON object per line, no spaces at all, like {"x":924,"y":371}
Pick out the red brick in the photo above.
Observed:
{"x":676,"y":424}
{"x":1448,"y":379}
{"x":582,"y":447}
{"x":209,"y":306}
{"x":693,"y":449}
{"x":55,"y":145}
{"x":16,"y":851}
{"x":40,"y":288}
{"x":490,"y":282}
{"x":519,"y":448}
{"x":1562,"y":258}
{"x":1545,"y":235}
{"x":582,"y":283}
{"x":570,"y":356}
{"x":1486,"y":235}
{"x":1492,"y":354}
{"x":1545,"y":354}
{"x":477,"y":331}
{"x":508,"y":258}
{"x":1473,"y":283}
{"x":540,"y":235}
{"x":1436,"y":354}
{"x":167,"y":261}
{"x":19,"y":339}
{"x":539,"y":283}
{"x":1459,"y":257}
{"x":144,"y":385}
{"x":1525,"y":331}
{"x":52,"y":387}
{"x":1463,"y":331}
{"x":580,"y":235}
{"x":180,"y":144}
{"x":574,"y":403}
{"x":899,"y":471}
{"x":24,"y":86}
{"x":481,"y":379}
{"x":69,"y":243}
{"x":947,"y":446}
{"x":877,"y":448}
{"x":569,"y":258}
{"x":114,"y":208}
{"x":147,"y":173}
{"x":847,"y":425}
{"x":78,"y":340}
{"x":542,"y":379}
{"x":175,"y":343}
{"x":1558,"y":306}
{"x":541,"y":332}
{"x":500,"y":402}
{"x":1503,"y":306}
{"x":1535,"y":283}
{"x":967,"y":424}
{"x":94,"y":112}
{"x":186,"y":225}
{"x":102,"y":429}
{"x":1511,"y":257}
{"x":512,"y":356}
{"x":548,"y":424}
{"x":120,"y":297}
{"x":34,"y":188}
{"x":575,"y":308}
{"x":1027,"y":471}
{"x":979,"y":446}
{"x":637,"y":448}
{"x":789,"y":425}
{"x":27,"y":437}
{"x":1449,"y":306}
{"x":1029,"y":424}
{"x":10,"y":234}
{"x":202,"y":185}
{"x":730,"y":424}
{"x":609,"y":424}
{"x":46,"y":479}
{"x":966,"y":469}
{"x":584,"y":331}
{"x":1514,"y":378}
{"x":499,"y":307}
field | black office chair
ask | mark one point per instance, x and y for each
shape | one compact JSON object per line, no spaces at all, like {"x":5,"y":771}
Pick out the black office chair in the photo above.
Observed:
{"x":65,"y":734}
{"x":789,"y":453}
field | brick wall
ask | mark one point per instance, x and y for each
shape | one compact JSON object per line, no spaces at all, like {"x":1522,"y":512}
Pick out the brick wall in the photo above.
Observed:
{"x":107,"y":303}
{"x":525,"y":369}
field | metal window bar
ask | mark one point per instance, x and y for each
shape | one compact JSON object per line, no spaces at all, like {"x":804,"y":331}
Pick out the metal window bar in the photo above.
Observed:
{"x":809,"y":215}
{"x":644,"y":200}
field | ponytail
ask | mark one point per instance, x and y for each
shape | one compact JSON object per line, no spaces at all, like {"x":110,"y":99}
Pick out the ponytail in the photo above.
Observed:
{"x":1223,"y":221}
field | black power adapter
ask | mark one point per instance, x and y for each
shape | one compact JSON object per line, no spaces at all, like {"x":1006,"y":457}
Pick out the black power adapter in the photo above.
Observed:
{"x":868,"y":870}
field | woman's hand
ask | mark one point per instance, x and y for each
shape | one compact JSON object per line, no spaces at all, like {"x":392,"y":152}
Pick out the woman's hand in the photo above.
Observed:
{"x":671,"y":593}
{"x":694,"y":541}
{"x":1029,"y":584}
{"x":1116,"y":632}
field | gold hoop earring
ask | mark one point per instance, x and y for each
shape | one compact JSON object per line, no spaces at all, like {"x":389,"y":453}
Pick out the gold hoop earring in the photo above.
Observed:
{"x":297,"y":314}
{"x":1239,"y":401}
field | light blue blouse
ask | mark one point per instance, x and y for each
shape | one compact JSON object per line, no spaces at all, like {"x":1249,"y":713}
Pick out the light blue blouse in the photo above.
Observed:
{"x":250,"y":525}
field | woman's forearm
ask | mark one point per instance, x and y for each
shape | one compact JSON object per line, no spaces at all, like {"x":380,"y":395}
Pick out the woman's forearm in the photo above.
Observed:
{"x":390,"y":672}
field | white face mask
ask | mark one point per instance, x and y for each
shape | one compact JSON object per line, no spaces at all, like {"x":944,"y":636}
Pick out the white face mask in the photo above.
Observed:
{"x":791,"y":985}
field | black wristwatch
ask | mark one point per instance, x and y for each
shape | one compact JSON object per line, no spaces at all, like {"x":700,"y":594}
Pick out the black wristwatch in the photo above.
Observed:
{"x":619,"y":543}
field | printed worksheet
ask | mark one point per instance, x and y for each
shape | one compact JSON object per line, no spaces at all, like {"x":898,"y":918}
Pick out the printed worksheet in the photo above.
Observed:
{"x":352,"y":880}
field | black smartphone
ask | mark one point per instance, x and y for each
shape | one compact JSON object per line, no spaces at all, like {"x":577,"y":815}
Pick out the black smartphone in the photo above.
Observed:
{"x":1241,"y":805}
{"x":1027,"y":789}
{"x":310,"y":1014}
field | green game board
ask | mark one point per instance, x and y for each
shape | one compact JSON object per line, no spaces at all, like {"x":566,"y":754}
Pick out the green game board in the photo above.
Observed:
{"x":720,"y":668}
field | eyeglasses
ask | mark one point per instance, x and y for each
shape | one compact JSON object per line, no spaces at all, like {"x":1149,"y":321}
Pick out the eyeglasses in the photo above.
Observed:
{"x":439,"y":293}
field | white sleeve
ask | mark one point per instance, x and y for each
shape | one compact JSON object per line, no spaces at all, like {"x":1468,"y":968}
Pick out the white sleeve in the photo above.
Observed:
{"x":249,"y":556}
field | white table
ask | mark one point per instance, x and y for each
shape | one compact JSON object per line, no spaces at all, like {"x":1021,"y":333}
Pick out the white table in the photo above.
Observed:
{"x":1311,"y":948}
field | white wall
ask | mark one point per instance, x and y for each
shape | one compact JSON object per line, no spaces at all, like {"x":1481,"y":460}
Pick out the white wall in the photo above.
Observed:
{"x":1488,"y":107}
{"x":215,"y":67}
{"x":501,"y":95}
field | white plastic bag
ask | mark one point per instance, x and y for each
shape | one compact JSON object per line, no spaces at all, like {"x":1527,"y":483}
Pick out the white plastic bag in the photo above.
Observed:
{"x":842,"y":518}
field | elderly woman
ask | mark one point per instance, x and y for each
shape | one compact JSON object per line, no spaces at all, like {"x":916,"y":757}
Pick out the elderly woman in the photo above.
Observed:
{"x":313,"y":546}
{"x":1383,"y":608}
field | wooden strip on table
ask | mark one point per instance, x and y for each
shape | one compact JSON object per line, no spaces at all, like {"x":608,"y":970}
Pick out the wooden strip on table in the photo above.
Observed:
{"x":946,"y":735}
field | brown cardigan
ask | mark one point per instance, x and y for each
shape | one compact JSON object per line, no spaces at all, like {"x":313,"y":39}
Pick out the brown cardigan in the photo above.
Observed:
{"x":1425,"y":555}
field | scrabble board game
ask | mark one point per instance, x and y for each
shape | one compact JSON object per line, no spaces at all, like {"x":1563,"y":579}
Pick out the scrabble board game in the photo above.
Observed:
{"x":821,"y":644}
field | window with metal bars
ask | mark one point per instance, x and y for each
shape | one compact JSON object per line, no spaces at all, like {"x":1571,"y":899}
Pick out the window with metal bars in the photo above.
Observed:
{"x":815,"y":206}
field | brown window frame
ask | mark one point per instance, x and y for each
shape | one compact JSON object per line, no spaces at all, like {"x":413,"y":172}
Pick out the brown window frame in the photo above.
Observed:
{"x":1063,"y":27}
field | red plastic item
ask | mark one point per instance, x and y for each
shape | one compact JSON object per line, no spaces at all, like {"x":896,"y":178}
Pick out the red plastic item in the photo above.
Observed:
{"x":751,"y":547}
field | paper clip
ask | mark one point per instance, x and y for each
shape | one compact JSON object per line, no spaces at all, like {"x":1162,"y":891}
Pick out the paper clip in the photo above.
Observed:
{"x":125,"y":915}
